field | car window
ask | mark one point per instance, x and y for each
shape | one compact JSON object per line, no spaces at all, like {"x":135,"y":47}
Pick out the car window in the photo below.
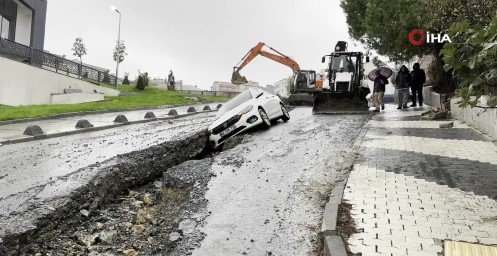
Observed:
{"x":235,"y":102}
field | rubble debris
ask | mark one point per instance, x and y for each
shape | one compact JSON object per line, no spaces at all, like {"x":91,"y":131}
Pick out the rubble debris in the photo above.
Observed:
{"x":447,"y":125}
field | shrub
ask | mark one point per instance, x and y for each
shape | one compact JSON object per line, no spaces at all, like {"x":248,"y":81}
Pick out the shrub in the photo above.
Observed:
{"x":126,"y":80}
{"x":140,"y":84}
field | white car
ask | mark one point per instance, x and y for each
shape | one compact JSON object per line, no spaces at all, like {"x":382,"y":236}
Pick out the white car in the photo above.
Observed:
{"x":248,"y":109}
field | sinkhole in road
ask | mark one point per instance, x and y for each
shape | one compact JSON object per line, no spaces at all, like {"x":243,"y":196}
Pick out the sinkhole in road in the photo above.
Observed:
{"x":137,"y":202}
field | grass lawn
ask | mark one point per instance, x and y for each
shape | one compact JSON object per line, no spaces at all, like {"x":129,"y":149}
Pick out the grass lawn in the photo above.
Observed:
{"x":150,"y":97}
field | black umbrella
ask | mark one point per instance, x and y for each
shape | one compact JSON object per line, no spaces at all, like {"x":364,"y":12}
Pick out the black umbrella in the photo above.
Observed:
{"x":386,"y":72}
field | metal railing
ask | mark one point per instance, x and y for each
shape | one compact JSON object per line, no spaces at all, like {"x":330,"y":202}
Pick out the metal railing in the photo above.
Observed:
{"x":210,"y":93}
{"x":40,"y":59}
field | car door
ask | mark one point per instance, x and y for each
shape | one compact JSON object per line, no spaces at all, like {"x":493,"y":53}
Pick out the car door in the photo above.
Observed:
{"x":262,"y":100}
{"x":274,"y":105}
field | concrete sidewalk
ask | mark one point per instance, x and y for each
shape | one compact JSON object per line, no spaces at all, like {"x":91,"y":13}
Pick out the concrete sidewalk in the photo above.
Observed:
{"x":13,"y":133}
{"x":417,"y":186}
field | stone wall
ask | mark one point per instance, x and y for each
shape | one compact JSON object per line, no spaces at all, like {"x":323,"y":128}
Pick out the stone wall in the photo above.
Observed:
{"x":483,"y":119}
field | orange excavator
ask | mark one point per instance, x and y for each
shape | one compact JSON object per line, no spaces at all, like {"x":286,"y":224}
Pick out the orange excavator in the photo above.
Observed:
{"x":303,"y":83}
{"x":307,"y":78}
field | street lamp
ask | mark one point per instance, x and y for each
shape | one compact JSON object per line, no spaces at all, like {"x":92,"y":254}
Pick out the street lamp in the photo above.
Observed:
{"x":113,"y":8}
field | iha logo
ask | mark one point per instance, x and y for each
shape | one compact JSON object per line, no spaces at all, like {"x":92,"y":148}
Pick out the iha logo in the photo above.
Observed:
{"x":419,"y":37}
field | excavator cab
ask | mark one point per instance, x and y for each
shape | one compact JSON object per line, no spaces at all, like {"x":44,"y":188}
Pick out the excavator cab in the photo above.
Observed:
{"x":303,"y":88}
{"x":305,"y":81}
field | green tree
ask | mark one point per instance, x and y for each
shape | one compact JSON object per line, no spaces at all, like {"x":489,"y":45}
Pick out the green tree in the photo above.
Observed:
{"x":142,"y":81}
{"x":146,"y":79}
{"x":119,"y":51}
{"x":170,"y":80}
{"x":440,"y":15}
{"x":384,"y":25}
{"x":126,"y":80}
{"x":140,"y":84}
{"x":79,"y":49}
{"x":471,"y":57}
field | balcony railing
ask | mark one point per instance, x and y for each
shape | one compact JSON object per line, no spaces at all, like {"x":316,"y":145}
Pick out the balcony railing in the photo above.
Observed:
{"x":40,"y":59}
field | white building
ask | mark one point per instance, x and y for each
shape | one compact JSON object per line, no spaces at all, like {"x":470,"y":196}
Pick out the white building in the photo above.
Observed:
{"x":229,"y":87}
{"x":18,"y":22}
{"x":25,"y":78}
{"x":282,"y":87}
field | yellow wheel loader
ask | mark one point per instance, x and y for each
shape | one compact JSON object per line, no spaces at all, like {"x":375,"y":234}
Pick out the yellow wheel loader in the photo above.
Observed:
{"x":342,"y":92}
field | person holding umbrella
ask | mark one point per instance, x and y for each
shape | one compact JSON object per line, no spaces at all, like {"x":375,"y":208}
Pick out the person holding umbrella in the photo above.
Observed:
{"x":403,"y":81}
{"x":379,"y":91}
{"x":380,"y":77}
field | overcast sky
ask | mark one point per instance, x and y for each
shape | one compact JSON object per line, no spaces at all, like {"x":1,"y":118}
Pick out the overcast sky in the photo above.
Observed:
{"x":200,"y":40}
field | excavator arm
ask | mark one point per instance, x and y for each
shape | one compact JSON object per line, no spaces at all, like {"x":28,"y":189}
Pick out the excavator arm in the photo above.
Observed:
{"x":236,"y":78}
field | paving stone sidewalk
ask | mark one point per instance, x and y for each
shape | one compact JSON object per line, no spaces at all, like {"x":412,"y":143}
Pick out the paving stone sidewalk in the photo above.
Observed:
{"x":417,"y":185}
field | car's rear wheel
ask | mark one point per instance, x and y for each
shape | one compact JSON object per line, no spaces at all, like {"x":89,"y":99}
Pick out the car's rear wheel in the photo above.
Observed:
{"x":266,"y":123}
{"x":286,"y":116}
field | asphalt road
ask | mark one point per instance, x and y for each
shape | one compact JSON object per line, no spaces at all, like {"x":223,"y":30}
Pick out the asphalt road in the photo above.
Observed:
{"x":35,"y":170}
{"x":269,"y":192}
{"x":267,"y":196}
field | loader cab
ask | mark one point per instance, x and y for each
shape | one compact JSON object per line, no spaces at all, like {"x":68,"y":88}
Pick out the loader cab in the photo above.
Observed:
{"x":345,"y":71}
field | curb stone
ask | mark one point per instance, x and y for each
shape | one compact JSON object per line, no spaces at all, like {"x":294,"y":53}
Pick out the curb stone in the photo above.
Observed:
{"x":99,"y":128}
{"x":333,"y":245}
{"x":332,"y":241}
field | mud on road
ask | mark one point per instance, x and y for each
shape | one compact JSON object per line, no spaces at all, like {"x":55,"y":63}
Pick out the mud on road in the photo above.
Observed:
{"x":268,"y":193}
{"x":264,"y":196}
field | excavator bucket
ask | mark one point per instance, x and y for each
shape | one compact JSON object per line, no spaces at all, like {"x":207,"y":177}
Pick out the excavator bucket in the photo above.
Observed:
{"x":340,"y":103}
{"x":236,"y":78}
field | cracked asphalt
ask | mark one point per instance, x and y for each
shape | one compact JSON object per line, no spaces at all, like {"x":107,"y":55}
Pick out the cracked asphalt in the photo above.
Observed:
{"x":32,"y":173}
{"x":266,"y":196}
{"x":269,"y":192}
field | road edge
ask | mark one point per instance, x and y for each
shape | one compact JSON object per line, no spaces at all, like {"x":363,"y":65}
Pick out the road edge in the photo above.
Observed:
{"x":105,"y":111}
{"x":93,"y":129}
{"x":333,"y":245}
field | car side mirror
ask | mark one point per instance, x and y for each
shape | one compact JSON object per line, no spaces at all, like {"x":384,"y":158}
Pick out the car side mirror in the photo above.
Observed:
{"x":323,"y":59}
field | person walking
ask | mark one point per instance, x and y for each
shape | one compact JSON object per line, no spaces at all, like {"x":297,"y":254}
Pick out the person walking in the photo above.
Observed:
{"x":379,"y":91}
{"x":403,"y":80}
{"x":418,"y":78}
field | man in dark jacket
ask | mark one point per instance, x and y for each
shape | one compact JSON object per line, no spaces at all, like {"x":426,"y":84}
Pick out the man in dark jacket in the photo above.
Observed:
{"x":403,"y":80}
{"x":379,"y":91}
{"x":418,"y":78}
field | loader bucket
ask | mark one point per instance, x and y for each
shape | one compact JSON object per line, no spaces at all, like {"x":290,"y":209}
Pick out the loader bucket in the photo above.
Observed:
{"x":301,"y":99}
{"x":340,"y":103}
